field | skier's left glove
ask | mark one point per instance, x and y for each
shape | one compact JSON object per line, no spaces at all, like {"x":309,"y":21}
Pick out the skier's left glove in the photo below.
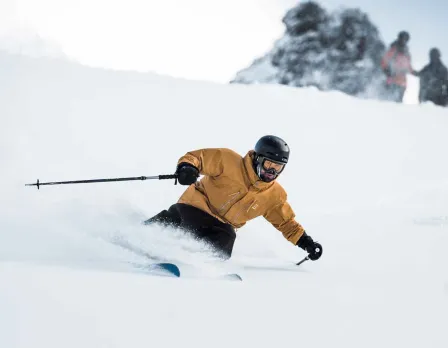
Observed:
{"x":313,"y":248}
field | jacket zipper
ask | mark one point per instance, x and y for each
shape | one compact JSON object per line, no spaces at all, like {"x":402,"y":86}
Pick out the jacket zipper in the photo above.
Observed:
{"x":250,"y":205}
{"x":232,"y":196}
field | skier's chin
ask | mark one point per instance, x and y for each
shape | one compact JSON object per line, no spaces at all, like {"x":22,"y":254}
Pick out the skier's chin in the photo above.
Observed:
{"x":268,"y":177}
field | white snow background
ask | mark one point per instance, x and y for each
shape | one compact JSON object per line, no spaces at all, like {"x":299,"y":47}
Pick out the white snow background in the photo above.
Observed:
{"x":369,"y":180}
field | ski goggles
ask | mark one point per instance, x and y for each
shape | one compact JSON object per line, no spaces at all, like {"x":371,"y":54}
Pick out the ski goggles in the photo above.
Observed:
{"x":271,"y":166}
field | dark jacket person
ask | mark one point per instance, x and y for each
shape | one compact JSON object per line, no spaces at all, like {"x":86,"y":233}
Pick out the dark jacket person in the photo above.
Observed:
{"x":434,"y":80}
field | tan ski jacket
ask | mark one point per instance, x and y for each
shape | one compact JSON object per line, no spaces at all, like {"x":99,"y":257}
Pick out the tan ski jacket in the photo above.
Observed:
{"x":231,"y":191}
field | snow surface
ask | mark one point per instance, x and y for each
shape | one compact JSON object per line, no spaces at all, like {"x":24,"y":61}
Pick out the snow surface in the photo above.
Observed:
{"x":369,"y":180}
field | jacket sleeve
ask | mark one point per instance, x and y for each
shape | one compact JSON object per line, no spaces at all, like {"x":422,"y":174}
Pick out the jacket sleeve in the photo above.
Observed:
{"x":282,"y":218}
{"x":445,"y":74}
{"x":423,"y":72}
{"x":410,"y":68}
{"x":208,"y":161}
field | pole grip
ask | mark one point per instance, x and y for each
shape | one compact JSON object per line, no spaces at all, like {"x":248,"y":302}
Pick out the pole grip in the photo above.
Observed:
{"x":167,"y":176}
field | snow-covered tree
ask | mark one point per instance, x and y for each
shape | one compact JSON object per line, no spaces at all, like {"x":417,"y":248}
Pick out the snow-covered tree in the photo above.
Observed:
{"x":341,"y":51}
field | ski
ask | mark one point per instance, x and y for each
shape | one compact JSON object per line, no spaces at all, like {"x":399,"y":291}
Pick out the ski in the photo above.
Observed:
{"x":172,"y":270}
{"x":159,"y":267}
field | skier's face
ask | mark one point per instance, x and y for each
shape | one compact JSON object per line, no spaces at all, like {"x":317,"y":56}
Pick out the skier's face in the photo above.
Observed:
{"x":270,"y":170}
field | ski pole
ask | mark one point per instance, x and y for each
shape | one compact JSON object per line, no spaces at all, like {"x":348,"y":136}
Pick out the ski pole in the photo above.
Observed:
{"x":156,"y":177}
{"x":317,"y":250}
{"x":305,"y":259}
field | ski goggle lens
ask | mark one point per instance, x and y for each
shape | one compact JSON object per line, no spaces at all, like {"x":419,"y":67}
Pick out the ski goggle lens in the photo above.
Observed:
{"x":278,"y":167}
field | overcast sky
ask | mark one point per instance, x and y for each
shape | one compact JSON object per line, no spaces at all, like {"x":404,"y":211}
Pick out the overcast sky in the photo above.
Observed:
{"x":198,"y":39}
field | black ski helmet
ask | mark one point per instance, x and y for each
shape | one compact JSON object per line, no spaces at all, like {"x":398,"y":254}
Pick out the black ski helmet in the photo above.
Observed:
{"x":403,"y":36}
{"x":273,"y":148}
{"x":434,"y":54}
{"x":270,"y":148}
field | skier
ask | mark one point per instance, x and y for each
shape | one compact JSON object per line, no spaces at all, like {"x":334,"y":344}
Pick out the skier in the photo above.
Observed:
{"x":434,"y":80}
{"x":234,"y":190}
{"x":396,"y":63}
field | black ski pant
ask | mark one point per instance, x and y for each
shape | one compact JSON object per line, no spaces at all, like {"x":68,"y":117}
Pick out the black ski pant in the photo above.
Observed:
{"x":200,"y":224}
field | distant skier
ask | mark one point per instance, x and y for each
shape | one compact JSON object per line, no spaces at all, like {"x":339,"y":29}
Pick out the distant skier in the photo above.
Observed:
{"x":234,"y":190}
{"x":396,"y":64}
{"x":434,"y":80}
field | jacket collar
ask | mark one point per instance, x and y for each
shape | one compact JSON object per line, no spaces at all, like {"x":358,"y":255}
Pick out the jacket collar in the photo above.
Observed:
{"x":252,"y":176}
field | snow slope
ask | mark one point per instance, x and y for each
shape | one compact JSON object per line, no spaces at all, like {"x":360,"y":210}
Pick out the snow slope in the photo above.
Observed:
{"x":368,"y":180}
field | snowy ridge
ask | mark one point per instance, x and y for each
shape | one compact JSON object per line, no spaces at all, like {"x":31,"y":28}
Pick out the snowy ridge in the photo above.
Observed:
{"x":367,"y":179}
{"x":339,"y":50}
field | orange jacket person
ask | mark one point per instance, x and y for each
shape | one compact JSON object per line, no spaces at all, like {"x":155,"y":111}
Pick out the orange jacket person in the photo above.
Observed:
{"x":396,"y":63}
{"x":234,"y":190}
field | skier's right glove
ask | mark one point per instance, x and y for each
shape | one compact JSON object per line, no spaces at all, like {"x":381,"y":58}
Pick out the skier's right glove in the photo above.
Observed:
{"x":187,"y":174}
{"x":313,"y":248}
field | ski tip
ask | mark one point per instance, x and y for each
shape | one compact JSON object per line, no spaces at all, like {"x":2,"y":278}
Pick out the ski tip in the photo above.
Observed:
{"x":166,"y":268}
{"x":232,"y":276}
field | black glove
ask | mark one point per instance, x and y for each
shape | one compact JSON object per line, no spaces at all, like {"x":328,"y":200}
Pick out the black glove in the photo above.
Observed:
{"x":313,"y":248}
{"x":187,"y":174}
